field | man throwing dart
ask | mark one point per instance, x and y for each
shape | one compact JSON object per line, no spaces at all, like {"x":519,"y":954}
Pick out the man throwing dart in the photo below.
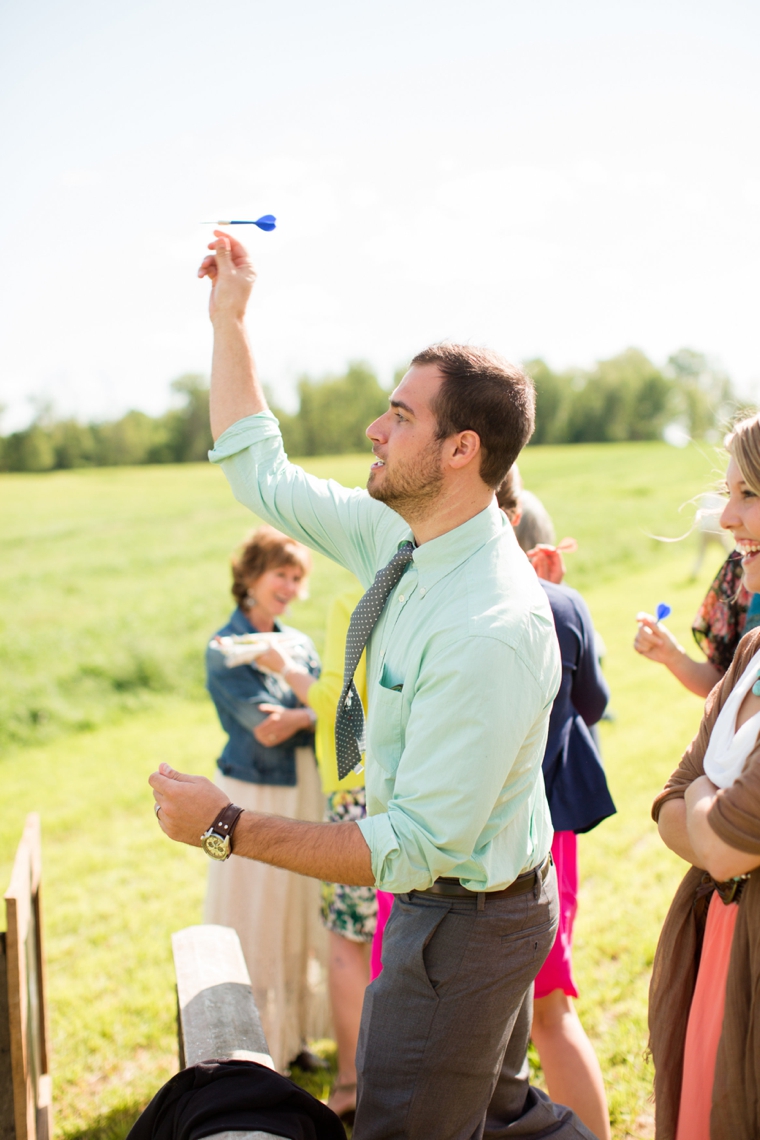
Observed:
{"x":462,"y":669}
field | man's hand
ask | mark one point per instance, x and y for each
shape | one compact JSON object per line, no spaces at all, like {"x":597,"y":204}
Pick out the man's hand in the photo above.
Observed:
{"x":189,"y":804}
{"x":232,"y":276}
{"x":335,"y":852}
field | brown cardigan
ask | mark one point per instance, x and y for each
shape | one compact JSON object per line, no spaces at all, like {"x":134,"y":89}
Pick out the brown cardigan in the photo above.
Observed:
{"x":735,"y":817}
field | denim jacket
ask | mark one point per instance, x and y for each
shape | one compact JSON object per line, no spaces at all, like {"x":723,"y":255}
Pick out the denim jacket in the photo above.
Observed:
{"x":237,"y":694}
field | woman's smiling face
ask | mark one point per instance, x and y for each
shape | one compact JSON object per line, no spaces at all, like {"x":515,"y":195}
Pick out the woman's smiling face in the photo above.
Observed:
{"x":741,"y":516}
{"x":275,"y":589}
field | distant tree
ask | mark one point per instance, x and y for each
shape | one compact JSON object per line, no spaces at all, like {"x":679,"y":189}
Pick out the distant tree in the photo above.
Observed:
{"x":553,"y":394}
{"x":127,"y":441}
{"x":189,"y":434}
{"x":705,"y":399}
{"x":29,"y":450}
{"x":333,"y":413}
{"x":625,"y":397}
{"x":73,"y":444}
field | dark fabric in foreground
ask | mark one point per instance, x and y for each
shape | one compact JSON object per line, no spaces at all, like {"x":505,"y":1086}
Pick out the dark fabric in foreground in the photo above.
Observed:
{"x":221,"y":1096}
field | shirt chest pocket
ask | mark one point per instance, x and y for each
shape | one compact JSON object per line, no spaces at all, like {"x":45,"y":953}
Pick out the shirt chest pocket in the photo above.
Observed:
{"x":386,"y":727}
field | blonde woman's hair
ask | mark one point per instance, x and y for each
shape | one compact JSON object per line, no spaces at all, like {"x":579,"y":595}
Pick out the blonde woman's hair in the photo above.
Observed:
{"x":743,"y":444}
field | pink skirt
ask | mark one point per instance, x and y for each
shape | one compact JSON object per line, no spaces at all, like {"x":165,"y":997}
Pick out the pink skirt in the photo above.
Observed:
{"x":705,"y":1023}
{"x":384,"y":904}
{"x":557,"y":971}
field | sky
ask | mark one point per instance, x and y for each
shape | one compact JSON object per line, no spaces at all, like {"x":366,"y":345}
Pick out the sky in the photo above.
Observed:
{"x":560,"y":179}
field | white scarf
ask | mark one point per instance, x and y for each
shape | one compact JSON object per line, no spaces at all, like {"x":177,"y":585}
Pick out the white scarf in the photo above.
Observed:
{"x":728,"y":748}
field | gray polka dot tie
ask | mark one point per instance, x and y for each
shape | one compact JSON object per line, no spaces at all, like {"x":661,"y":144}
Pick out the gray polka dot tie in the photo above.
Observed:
{"x":349,"y":720}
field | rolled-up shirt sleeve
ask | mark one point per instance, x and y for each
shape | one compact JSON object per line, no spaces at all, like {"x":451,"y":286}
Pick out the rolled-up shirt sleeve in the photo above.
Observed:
{"x":346,"y":525}
{"x":470,"y":752}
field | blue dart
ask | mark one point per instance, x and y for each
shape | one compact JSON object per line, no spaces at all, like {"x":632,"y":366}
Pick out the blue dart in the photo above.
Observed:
{"x":663,"y":611}
{"x":265,"y":222}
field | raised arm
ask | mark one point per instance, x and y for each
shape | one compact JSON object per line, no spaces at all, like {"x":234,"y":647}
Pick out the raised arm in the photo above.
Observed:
{"x":346,"y":525}
{"x":235,"y":389}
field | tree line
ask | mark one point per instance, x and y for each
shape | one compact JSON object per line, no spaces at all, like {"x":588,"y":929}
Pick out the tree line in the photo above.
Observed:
{"x":626,"y":397}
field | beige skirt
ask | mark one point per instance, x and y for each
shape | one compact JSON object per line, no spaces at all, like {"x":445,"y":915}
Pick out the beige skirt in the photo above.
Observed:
{"x":276,"y":914}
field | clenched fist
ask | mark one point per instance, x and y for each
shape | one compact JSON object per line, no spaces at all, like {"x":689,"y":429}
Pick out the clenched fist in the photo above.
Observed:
{"x":232,"y":275}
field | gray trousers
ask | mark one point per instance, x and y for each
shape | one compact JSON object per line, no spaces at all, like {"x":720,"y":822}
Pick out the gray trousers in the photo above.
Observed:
{"x":445,"y":1026}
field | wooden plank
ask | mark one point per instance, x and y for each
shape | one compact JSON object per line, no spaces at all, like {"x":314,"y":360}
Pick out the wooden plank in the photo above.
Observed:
{"x":26,"y":991}
{"x":45,"y":1108}
{"x":33,"y":836}
{"x":18,"y":911}
{"x":217,"y":1017}
{"x":245,"y":1136}
{"x":7,"y":1120}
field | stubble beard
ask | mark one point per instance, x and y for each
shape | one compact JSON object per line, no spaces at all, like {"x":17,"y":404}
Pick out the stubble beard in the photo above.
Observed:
{"x":412,"y":489}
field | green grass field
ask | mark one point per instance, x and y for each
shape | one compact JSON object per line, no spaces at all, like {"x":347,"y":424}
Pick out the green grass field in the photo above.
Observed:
{"x":112,"y":580}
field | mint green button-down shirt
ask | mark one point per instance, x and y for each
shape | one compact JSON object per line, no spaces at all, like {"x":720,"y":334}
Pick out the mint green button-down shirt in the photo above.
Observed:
{"x":462,"y":669}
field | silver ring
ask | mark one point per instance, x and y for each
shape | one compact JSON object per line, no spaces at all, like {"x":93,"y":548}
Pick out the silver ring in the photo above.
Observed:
{"x":157,"y":809}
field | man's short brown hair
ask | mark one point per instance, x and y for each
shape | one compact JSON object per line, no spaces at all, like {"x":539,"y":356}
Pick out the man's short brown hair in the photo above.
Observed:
{"x":484,"y":393}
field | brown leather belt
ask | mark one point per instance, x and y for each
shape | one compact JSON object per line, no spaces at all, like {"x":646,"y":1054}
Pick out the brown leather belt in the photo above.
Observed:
{"x":526,"y":882}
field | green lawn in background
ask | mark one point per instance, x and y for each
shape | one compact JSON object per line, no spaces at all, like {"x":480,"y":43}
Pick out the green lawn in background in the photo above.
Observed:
{"x":113,"y":579}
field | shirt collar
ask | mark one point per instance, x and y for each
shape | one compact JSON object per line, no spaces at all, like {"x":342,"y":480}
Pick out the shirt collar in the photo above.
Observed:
{"x":438,"y":557}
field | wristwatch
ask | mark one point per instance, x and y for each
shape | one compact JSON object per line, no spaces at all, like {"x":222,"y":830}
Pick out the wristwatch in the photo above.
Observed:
{"x":217,"y":841}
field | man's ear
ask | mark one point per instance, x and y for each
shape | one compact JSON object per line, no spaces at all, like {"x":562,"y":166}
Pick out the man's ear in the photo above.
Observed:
{"x":465,"y":449}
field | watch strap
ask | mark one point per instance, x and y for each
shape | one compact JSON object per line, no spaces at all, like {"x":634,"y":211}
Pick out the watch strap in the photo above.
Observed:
{"x":225,"y":822}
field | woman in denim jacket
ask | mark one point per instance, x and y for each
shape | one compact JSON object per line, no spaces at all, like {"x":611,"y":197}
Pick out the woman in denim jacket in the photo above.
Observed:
{"x":268,"y":765}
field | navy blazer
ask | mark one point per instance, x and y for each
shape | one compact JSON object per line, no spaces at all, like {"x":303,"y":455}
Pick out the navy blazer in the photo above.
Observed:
{"x":576,"y":786}
{"x":237,"y":694}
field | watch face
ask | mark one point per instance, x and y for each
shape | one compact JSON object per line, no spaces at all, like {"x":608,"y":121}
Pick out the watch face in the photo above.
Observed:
{"x":215,"y":845}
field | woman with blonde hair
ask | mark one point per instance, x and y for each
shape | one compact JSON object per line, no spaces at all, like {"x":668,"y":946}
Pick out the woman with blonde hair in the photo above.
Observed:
{"x":704,"y":1035}
{"x":268,"y":765}
{"x":728,"y":611}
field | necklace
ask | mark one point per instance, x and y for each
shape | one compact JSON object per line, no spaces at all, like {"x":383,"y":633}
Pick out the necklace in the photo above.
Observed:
{"x":756,"y":686}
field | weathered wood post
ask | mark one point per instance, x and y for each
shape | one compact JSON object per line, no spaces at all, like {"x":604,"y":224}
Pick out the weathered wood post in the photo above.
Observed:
{"x":217,"y":1017}
{"x":25,"y":1086}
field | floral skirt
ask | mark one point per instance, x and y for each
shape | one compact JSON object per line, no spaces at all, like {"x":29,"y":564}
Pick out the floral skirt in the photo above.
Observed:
{"x":348,"y":911}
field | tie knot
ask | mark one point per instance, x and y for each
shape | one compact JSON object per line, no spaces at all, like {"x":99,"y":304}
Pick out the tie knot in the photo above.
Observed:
{"x":403,"y":555}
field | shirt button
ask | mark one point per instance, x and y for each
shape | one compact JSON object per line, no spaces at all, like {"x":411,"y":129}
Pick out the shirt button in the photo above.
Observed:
{"x":401,"y":598}
{"x":423,"y":591}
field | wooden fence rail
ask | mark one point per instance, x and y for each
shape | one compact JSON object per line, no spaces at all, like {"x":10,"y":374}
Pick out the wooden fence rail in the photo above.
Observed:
{"x":217,"y":1017}
{"x":25,"y":1086}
